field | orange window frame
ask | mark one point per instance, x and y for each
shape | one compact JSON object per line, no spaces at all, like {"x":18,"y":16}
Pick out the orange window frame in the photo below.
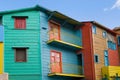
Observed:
{"x":60,"y":58}
{"x":58,"y":25}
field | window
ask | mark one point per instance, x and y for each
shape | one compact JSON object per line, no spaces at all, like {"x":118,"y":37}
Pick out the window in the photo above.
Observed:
{"x":54,"y":32}
{"x":106,"y":61}
{"x":20,"y":23}
{"x":96,"y":58}
{"x":20,"y":54}
{"x":111,"y":45}
{"x":0,"y":20}
{"x":104,"y":34}
{"x":56,"y":62}
{"x":94,"y":29}
{"x":118,"y":40}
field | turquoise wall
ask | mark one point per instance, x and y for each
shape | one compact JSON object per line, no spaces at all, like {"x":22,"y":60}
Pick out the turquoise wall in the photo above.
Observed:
{"x":69,"y":34}
{"x":30,"y":37}
{"x":68,"y":56}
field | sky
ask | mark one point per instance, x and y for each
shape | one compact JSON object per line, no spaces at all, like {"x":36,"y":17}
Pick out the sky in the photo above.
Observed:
{"x":105,"y":12}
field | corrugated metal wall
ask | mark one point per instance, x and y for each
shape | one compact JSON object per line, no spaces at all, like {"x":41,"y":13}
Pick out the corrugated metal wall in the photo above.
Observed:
{"x":68,"y":56}
{"x":23,"y":38}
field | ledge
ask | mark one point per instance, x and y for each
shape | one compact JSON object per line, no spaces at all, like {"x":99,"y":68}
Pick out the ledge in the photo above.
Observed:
{"x":64,"y":44}
{"x":66,"y":75}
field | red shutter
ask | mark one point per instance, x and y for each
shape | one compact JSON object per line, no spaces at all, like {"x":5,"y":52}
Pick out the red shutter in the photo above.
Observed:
{"x":20,"y":23}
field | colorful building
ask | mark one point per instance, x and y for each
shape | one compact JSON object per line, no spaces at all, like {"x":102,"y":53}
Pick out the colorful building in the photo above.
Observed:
{"x":41,"y":45}
{"x":46,"y":45}
{"x":22,"y":58}
{"x":100,"y":50}
{"x":61,"y":39}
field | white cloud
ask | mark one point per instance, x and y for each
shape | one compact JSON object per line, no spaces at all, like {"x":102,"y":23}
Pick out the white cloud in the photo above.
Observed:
{"x":116,"y":5}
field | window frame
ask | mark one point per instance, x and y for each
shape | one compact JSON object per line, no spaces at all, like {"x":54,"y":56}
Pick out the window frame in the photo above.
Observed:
{"x":111,"y":45}
{"x":61,"y":62}
{"x":118,"y":38}
{"x":20,"y":27}
{"x":96,"y":61}
{"x":15,"y":53}
{"x":104,"y":34}
{"x":94,"y":29}
{"x":106,"y":56}
{"x":51,"y":29}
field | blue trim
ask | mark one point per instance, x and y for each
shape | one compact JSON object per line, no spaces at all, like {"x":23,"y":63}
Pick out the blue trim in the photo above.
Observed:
{"x":106,"y":60}
{"x":111,"y":45}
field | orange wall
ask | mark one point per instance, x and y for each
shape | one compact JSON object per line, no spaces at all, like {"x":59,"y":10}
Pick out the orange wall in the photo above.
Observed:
{"x":89,"y":67}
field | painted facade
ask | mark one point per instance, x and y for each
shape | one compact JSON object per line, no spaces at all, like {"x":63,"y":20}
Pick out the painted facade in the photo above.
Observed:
{"x":28,"y":39}
{"x":27,"y":33}
{"x":102,"y":49}
{"x":46,"y":45}
{"x":63,"y":40}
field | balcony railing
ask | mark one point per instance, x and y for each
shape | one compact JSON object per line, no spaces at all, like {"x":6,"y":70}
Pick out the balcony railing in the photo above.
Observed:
{"x":70,"y":70}
{"x":111,"y":71}
{"x":67,"y":40}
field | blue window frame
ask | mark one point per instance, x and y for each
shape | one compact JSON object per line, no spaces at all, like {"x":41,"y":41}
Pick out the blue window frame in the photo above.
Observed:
{"x":104,"y":34}
{"x":106,"y":60}
{"x":94,"y":29}
{"x":111,"y":45}
{"x":96,"y":58}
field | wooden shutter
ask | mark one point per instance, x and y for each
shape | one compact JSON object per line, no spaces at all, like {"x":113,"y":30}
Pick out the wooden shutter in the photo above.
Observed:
{"x":20,"y":23}
{"x":21,"y":55}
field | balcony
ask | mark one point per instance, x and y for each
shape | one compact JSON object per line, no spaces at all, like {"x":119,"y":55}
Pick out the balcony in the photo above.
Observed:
{"x":66,"y":40}
{"x":61,"y":43}
{"x":111,"y":71}
{"x":68,"y":70}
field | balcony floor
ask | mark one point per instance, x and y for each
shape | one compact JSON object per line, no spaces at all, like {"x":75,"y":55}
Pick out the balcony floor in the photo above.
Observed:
{"x":66,"y":75}
{"x":64,"y":44}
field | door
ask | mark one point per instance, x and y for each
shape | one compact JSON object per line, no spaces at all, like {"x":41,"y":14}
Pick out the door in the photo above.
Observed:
{"x":106,"y":60}
{"x":56,"y":63}
{"x":54,"y":31}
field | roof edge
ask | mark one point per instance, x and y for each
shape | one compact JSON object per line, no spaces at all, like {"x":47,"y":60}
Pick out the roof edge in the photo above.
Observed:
{"x":101,"y":26}
{"x":37,"y":7}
